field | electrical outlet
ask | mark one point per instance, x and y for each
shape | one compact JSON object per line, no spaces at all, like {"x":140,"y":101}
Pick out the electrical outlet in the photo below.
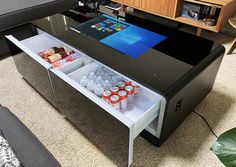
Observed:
{"x":178,"y":105}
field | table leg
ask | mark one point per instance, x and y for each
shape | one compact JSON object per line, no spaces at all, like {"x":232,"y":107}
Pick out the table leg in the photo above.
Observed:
{"x":233,"y":46}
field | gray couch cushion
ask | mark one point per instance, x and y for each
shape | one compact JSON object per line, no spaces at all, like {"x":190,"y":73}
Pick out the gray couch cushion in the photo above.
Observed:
{"x":13,"y":5}
{"x":14,"y":12}
{"x":28,"y":148}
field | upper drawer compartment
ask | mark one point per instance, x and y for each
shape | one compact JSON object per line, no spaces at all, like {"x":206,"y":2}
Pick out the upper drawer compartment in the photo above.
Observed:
{"x":50,"y":52}
{"x":137,"y":115}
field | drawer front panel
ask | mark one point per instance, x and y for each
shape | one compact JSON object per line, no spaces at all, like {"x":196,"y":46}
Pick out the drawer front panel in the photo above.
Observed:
{"x":106,"y":132}
{"x":34,"y":73}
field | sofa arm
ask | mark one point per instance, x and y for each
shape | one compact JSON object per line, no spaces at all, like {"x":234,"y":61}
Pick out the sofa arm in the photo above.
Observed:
{"x":13,"y":13}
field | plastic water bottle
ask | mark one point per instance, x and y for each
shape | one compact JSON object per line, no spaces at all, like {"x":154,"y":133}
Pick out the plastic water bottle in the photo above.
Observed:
{"x":111,"y":73}
{"x":91,"y":86}
{"x":119,"y":78}
{"x":100,"y":81}
{"x":99,"y":72}
{"x":92,"y":76}
{"x":105,"y":76}
{"x":105,"y":70}
{"x":107,"y":85}
{"x":98,"y":90}
{"x":84,"y":81}
{"x":114,"y":80}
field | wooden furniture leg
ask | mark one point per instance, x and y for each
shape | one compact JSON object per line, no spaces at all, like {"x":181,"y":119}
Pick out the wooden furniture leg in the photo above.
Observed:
{"x":232,"y":22}
{"x":233,"y":46}
{"x":123,"y":8}
{"x":199,"y":32}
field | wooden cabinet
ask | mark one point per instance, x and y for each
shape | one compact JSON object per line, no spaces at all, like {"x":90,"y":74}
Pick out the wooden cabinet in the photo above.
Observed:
{"x":134,"y":3}
{"x":171,"y":9}
{"x":162,"y":7}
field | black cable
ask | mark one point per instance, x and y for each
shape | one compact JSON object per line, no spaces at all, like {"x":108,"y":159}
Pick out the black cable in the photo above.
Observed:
{"x":212,"y":131}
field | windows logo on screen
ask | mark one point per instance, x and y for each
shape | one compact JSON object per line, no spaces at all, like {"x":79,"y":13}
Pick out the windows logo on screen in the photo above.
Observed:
{"x":133,"y":41}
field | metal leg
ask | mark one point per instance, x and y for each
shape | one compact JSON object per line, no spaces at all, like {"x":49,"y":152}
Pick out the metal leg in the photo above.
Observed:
{"x":131,"y":147}
{"x":233,"y":46}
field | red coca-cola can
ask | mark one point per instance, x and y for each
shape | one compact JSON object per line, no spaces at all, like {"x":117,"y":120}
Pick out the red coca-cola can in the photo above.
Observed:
{"x":123,"y":99}
{"x":115,"y":101}
{"x":130,"y":91}
{"x":114,"y":90}
{"x":106,"y":96}
{"x":127,"y":82}
{"x":121,"y":85}
{"x":137,"y":89}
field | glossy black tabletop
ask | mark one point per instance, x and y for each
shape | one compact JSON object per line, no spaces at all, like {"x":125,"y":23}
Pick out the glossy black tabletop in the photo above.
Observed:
{"x":158,"y":68}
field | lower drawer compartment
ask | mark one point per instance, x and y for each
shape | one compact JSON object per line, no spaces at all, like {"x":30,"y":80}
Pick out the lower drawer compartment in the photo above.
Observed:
{"x":106,"y":132}
{"x":85,"y":109}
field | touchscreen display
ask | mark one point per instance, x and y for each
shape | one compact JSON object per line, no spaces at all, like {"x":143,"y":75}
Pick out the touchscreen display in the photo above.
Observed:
{"x":133,"y":41}
{"x":129,"y":39}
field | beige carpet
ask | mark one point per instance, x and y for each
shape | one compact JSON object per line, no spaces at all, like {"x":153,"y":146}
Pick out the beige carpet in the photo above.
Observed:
{"x":188,"y":145}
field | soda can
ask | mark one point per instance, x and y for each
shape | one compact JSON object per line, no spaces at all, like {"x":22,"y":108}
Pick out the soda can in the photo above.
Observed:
{"x":130,"y":91}
{"x":114,"y":90}
{"x":137,"y":89}
{"x":121,"y":85}
{"x":127,"y":82}
{"x":123,"y":99}
{"x":106,"y":96}
{"x":115,"y":101}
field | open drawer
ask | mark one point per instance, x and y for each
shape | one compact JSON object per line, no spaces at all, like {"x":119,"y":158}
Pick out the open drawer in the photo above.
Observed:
{"x":32,"y":46}
{"x":136,"y":117}
{"x":32,"y":67}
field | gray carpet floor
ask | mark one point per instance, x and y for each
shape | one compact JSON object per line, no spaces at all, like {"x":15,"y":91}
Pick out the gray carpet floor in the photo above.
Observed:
{"x":188,"y":146}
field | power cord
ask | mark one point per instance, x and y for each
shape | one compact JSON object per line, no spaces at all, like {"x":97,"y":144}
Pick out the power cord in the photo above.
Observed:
{"x":212,"y":131}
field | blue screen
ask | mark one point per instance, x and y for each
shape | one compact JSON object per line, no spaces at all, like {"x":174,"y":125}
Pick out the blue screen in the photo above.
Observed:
{"x":133,"y":41}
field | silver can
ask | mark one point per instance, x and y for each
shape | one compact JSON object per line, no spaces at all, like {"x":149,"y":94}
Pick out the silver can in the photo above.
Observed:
{"x":121,"y":85}
{"x":123,"y":99}
{"x":114,"y":90}
{"x":115,"y":101}
{"x":106,"y":96}
{"x":130,"y":91}
{"x":137,"y":89}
